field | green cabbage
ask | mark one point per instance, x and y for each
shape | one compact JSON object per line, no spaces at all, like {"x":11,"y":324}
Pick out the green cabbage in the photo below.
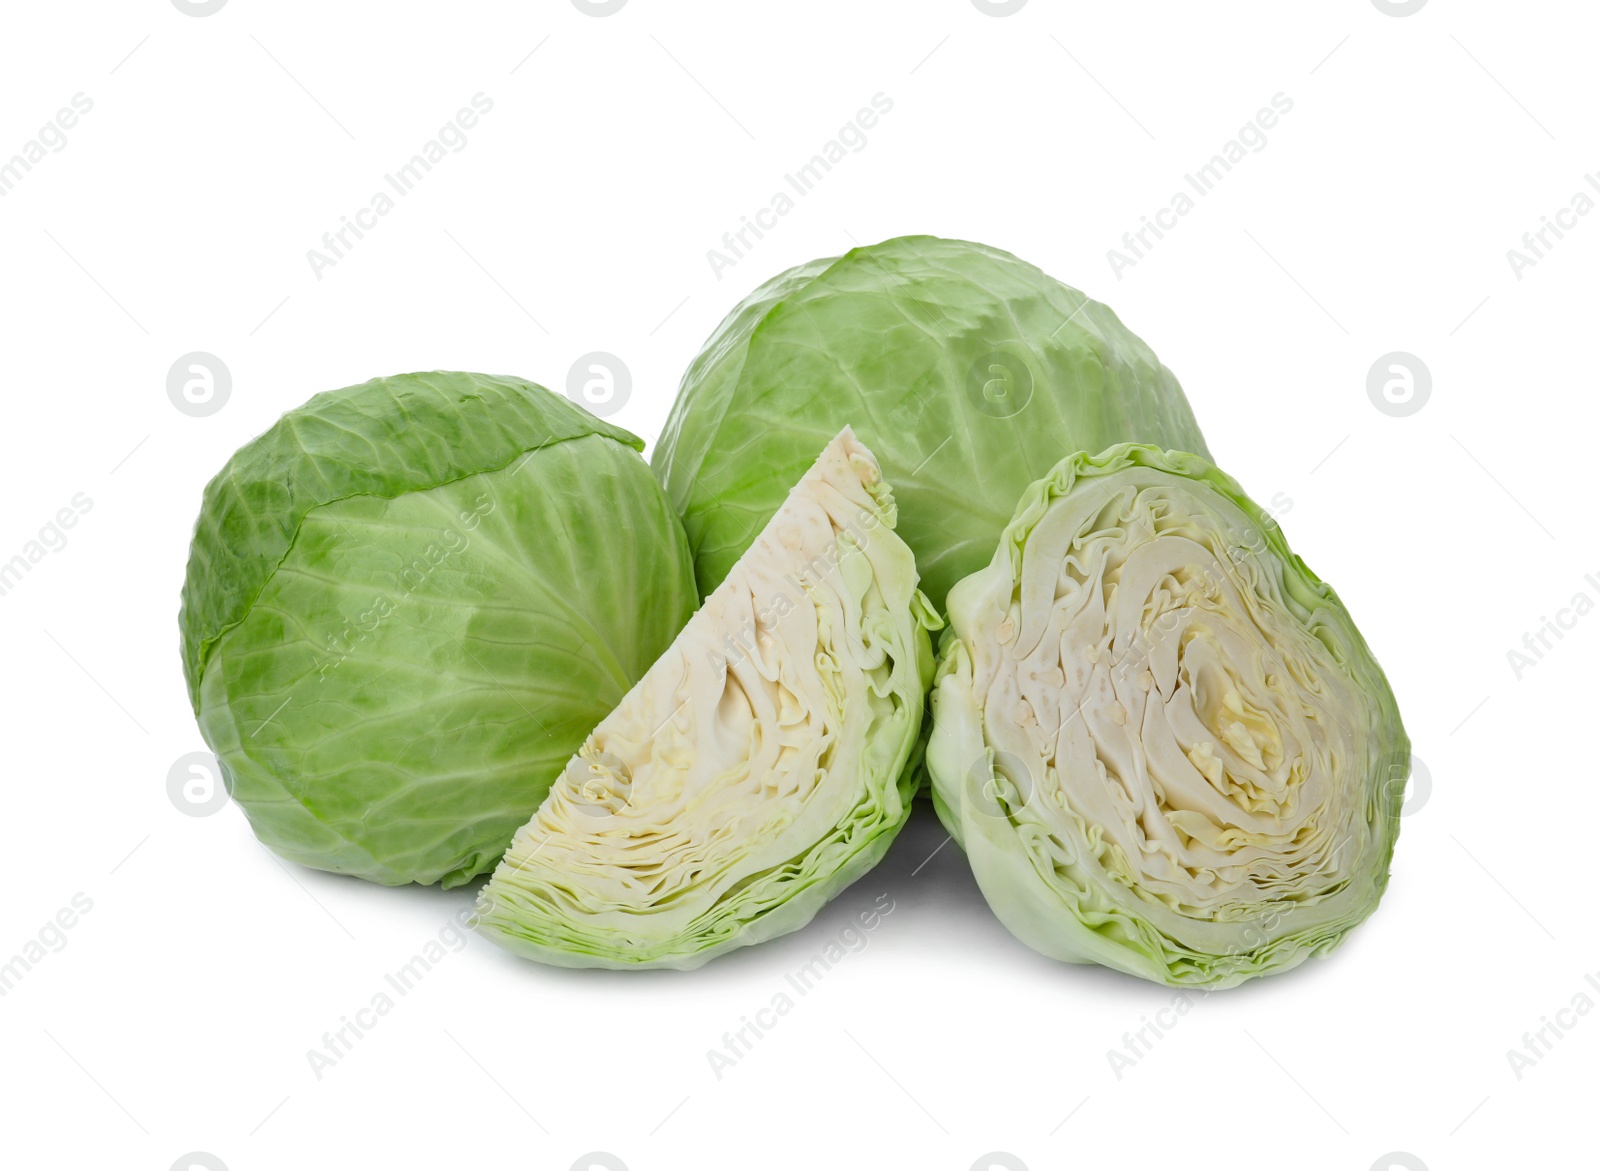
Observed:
{"x":406,"y":605}
{"x":1158,"y":736}
{"x":969,"y":372}
{"x":761,"y":765}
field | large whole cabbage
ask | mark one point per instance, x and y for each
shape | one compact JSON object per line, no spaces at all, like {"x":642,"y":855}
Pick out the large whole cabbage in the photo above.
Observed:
{"x":759,"y":767}
{"x":968,"y":372}
{"x":406,"y":605}
{"x":1160,"y":739}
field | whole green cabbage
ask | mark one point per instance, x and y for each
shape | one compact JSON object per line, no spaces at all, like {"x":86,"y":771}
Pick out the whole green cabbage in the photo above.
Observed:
{"x":761,"y":765}
{"x":408,"y":602}
{"x":968,"y":372}
{"x":1158,"y":736}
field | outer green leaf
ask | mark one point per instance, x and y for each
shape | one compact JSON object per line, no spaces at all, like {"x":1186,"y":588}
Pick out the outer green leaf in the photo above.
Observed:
{"x":407,"y":603}
{"x":969,"y":372}
{"x":1159,"y":737}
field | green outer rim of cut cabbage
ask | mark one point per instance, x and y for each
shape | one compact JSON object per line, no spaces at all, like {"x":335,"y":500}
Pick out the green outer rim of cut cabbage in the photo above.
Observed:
{"x":384,"y":438}
{"x":789,"y":916}
{"x":1045,"y":913}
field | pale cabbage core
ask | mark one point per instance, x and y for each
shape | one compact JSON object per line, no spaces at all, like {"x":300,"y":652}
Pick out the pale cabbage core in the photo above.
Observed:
{"x":756,"y":758}
{"x":1187,"y":734}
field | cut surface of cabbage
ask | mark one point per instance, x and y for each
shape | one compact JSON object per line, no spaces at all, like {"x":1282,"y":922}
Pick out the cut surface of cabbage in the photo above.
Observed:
{"x":760,"y":766}
{"x":1158,"y":736}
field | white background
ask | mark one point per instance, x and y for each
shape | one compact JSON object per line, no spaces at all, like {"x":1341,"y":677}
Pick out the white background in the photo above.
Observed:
{"x":178,"y":1014}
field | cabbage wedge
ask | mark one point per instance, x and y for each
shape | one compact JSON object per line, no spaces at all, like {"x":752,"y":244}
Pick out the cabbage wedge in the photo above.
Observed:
{"x":1158,"y":736}
{"x":762,"y":764}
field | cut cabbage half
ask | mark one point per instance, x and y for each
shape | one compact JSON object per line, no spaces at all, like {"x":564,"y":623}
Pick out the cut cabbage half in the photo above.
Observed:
{"x":1158,"y":736}
{"x":759,"y":767}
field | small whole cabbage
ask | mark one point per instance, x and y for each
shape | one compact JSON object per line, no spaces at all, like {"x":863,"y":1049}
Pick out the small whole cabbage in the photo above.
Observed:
{"x":407,"y":603}
{"x":762,"y":764}
{"x":970,"y":373}
{"x":1158,"y":736}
